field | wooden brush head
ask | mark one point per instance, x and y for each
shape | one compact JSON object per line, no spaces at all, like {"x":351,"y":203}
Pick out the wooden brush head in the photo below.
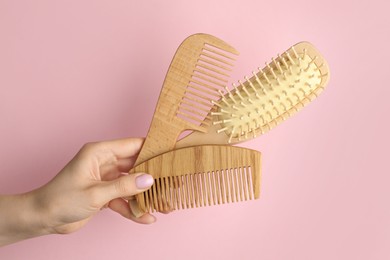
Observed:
{"x":199,"y":176}
{"x":273,"y":94}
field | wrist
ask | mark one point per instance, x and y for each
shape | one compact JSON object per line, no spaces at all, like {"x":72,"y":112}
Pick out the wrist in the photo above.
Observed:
{"x":21,"y":218}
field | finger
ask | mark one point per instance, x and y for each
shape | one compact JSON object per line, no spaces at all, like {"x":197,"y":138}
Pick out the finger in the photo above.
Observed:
{"x":124,"y":186}
{"x":111,"y":175}
{"x":112,"y":171}
{"x":122,"y":207}
{"x":137,"y":212}
{"x":166,"y":211}
{"x":123,"y":148}
{"x":126,"y":164}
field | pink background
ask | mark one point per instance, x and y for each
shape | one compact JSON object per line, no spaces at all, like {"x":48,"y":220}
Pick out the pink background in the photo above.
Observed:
{"x":79,"y":71}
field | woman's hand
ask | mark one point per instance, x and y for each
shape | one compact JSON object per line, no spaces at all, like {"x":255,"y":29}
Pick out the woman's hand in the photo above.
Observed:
{"x":94,"y":179}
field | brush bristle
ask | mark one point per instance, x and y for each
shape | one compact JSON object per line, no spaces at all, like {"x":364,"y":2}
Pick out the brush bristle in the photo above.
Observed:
{"x":271,"y":95}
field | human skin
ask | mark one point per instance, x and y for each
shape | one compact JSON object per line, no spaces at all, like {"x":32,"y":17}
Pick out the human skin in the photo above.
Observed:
{"x":96,"y":178}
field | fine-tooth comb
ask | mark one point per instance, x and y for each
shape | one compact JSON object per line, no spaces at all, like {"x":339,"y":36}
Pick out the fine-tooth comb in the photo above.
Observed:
{"x":198,"y":73}
{"x":199,"y":176}
{"x":271,"y":95}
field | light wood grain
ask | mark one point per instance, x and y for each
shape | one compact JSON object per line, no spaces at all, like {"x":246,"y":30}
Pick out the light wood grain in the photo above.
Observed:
{"x":200,"y":176}
{"x":192,"y":98}
{"x":198,"y":71}
{"x":279,"y":90}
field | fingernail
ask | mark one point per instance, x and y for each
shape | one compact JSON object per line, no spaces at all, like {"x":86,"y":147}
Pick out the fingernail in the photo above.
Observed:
{"x":144,"y":181}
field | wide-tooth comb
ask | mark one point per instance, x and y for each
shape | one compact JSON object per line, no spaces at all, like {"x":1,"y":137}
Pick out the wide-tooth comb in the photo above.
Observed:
{"x":199,"y":176}
{"x":284,"y":86}
{"x":197,"y":76}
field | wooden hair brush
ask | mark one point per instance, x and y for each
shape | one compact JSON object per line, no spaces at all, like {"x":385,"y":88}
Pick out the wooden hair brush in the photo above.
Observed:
{"x":273,"y":94}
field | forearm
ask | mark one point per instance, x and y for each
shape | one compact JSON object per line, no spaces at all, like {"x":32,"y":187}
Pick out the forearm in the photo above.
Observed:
{"x":19,"y":218}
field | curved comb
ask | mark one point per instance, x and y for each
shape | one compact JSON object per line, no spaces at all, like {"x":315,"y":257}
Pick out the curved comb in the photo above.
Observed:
{"x":199,"y":176}
{"x":198,"y":73}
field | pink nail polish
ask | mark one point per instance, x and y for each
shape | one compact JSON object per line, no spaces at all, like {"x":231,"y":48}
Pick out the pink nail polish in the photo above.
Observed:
{"x":144,"y":181}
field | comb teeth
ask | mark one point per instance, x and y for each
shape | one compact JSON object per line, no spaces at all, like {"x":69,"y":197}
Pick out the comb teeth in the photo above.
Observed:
{"x":200,"y":190}
{"x":199,"y":176}
{"x":207,"y":82}
{"x":273,"y":94}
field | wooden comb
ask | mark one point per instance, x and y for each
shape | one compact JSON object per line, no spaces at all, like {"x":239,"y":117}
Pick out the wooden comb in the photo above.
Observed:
{"x":270,"y":96}
{"x":199,"y":176}
{"x":197,"y":74}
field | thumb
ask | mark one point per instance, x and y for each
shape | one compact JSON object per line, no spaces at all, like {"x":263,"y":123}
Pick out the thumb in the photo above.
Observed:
{"x":128,"y":185}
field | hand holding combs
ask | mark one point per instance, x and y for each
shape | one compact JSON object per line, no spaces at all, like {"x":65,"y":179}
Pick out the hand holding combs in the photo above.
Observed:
{"x":206,"y":170}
